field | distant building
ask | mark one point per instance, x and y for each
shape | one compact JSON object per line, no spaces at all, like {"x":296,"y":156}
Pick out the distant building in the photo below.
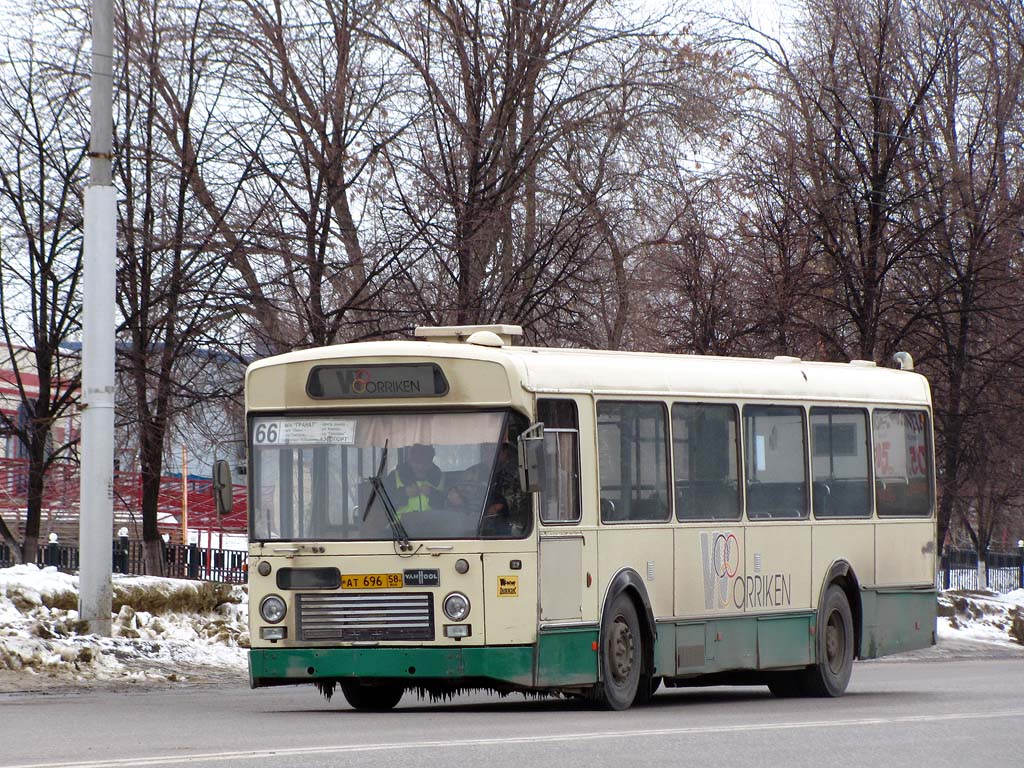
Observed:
{"x":206,"y":427}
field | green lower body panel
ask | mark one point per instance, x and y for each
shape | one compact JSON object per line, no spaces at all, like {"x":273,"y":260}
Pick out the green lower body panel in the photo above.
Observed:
{"x":508,"y":664}
{"x":567,"y":657}
{"x":785,"y":641}
{"x":560,"y":658}
{"x":741,"y":643}
{"x":897,"y":620}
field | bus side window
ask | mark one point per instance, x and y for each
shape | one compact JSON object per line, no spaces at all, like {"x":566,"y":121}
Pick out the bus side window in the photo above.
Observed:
{"x":632,"y":453}
{"x":903,"y":462}
{"x":560,"y":496}
{"x":839,"y":462}
{"x":775,"y":447}
{"x":706,"y":461}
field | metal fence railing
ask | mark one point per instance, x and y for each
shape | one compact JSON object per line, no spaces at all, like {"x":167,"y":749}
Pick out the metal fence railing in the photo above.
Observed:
{"x":959,"y":570}
{"x":180,"y":561}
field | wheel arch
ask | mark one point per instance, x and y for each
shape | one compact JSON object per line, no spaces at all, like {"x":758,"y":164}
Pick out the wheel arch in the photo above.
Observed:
{"x":628,"y":581}
{"x":841,"y":573}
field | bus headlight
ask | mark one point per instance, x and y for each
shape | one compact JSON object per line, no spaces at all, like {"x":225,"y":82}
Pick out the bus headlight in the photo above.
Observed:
{"x":456,"y":606}
{"x":273,"y":608}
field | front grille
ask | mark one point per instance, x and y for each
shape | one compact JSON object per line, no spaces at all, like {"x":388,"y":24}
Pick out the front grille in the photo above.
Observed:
{"x":365,"y":616}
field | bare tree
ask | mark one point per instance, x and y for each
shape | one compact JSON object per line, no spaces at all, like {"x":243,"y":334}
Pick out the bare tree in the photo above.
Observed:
{"x":855,"y":85}
{"x":42,"y":148}
{"x":326,"y":86}
{"x":969,"y":289}
{"x":173,"y":262}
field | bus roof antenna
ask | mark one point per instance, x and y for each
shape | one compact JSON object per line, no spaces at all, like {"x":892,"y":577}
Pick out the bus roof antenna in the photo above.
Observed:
{"x":904,"y":361}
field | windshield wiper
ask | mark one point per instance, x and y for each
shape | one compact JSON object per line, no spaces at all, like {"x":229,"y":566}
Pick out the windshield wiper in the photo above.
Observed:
{"x":398,"y":531}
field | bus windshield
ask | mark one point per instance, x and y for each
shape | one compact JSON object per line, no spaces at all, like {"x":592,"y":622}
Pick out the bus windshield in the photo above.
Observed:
{"x":447,"y":476}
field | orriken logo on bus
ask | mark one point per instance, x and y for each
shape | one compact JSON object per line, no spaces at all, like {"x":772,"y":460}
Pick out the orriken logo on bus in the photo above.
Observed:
{"x":724,"y":584}
{"x":376,"y":381}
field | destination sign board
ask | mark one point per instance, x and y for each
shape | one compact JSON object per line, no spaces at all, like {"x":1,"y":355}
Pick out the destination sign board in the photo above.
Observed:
{"x":329,"y":431}
{"x":371,"y":382}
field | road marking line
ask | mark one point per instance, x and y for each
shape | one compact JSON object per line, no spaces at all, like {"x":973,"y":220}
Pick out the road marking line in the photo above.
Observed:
{"x":209,"y":757}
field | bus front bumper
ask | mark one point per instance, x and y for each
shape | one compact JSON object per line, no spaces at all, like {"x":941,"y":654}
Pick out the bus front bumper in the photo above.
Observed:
{"x":512,"y":665}
{"x":558,"y":659}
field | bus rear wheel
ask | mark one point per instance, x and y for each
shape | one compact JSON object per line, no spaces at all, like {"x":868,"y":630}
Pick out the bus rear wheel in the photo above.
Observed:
{"x":622,"y":656}
{"x":372,"y":698}
{"x":830,"y":675}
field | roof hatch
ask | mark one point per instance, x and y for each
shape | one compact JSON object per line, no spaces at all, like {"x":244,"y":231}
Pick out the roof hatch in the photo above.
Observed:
{"x":457,"y":334}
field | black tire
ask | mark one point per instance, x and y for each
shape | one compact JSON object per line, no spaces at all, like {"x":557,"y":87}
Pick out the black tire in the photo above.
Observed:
{"x":785,"y":685}
{"x":646,"y":690}
{"x":830,"y":675}
{"x":621,"y":657}
{"x":372,"y":698}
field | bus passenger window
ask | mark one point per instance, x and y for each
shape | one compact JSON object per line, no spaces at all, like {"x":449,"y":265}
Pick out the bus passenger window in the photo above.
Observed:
{"x":705,"y":461}
{"x":776,"y":461}
{"x":903,"y":463}
{"x":560,"y":496}
{"x":839,"y":462}
{"x":632,"y":461}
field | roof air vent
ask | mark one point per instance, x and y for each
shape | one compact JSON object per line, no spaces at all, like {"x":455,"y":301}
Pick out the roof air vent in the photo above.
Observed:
{"x":486,"y":339}
{"x":456,"y":334}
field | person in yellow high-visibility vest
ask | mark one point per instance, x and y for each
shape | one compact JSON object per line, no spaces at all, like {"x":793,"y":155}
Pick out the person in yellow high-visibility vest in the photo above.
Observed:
{"x":418,"y":481}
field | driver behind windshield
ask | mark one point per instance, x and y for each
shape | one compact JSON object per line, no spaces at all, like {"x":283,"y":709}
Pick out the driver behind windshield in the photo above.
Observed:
{"x":417,"y":481}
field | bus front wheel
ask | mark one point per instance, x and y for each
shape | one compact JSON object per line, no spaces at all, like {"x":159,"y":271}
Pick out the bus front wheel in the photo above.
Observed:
{"x":830,"y":675}
{"x":622,"y":656}
{"x":372,"y":698}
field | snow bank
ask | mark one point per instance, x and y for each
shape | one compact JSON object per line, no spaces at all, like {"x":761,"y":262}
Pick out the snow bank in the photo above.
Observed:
{"x":163,"y":629}
{"x":982,"y":616}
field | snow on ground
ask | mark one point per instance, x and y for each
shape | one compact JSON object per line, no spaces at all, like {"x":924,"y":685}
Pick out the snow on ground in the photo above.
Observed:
{"x":176,"y":631}
{"x":164,"y":630}
{"x":982,"y":616}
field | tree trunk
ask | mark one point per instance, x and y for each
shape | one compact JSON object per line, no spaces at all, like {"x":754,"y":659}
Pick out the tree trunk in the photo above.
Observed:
{"x":153,"y":557}
{"x":12,"y":542}
{"x":151,"y":464}
{"x":29,"y":549}
{"x":34,"y":502}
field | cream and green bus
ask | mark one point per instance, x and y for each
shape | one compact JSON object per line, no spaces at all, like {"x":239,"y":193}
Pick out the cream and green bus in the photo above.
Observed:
{"x":461,"y":512}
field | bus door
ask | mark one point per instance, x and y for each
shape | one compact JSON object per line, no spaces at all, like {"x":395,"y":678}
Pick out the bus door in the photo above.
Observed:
{"x":562,"y":543}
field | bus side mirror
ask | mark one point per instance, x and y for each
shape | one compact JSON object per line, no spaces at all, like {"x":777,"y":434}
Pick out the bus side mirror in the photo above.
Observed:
{"x":531,"y":458}
{"x":223,"y":490}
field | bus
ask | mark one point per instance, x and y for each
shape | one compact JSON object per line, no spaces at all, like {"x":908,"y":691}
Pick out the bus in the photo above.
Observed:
{"x":459,"y":512}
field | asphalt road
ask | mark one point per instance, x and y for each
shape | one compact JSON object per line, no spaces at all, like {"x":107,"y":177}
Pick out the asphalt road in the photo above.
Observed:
{"x":916,"y":713}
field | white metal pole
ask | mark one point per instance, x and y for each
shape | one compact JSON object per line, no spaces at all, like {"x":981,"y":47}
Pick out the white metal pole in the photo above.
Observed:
{"x":97,"y":444}
{"x":184,"y":496}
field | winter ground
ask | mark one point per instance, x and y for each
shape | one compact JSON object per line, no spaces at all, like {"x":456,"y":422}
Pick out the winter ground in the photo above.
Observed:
{"x":169,"y":631}
{"x":164,"y":631}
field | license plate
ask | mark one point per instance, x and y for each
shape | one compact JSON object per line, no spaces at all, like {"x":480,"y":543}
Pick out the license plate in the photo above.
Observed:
{"x":371,"y":581}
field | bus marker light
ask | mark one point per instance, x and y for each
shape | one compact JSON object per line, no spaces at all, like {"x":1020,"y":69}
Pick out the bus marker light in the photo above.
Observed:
{"x":273,"y":633}
{"x":461,"y":565}
{"x":515,"y":565}
{"x":263,"y":569}
{"x":593,"y":646}
{"x":458,"y":631}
